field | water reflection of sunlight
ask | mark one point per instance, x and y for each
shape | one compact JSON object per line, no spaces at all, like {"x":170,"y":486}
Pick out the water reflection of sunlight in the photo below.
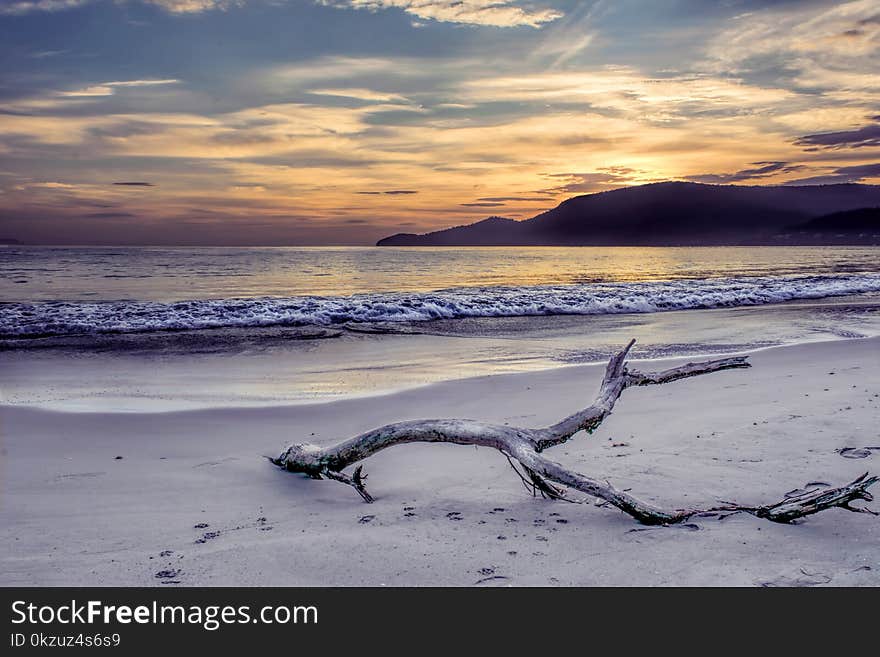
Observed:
{"x":172,"y":274}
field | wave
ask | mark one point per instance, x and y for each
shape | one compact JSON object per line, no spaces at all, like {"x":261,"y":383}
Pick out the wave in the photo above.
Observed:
{"x":58,"y":318}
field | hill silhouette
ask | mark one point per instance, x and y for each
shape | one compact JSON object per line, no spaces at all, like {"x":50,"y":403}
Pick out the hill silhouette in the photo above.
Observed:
{"x":665,"y":214}
{"x":861,"y":220}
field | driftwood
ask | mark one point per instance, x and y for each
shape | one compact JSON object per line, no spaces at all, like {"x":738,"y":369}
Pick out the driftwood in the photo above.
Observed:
{"x":524,"y":448}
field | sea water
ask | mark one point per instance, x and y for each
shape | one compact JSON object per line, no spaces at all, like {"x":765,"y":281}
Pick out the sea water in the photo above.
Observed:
{"x":146,"y":328}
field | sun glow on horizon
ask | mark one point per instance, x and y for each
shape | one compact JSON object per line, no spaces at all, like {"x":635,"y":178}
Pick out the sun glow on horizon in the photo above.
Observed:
{"x":489,"y":109}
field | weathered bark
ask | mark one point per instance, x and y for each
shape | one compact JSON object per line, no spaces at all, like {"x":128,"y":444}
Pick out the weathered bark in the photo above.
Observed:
{"x":525,"y":446}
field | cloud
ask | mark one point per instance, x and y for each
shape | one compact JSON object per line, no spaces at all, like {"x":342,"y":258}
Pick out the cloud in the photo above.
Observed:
{"x":361,"y":94}
{"x":525,"y":199}
{"x":827,"y":48}
{"x":626,"y":90}
{"x":140,"y":83}
{"x":829,"y":179}
{"x":330,"y":67}
{"x":594,"y":181}
{"x":814,"y":31}
{"x":43,"y":54}
{"x":390,"y":192}
{"x":850,"y":174}
{"x":19,"y":7}
{"x":758,"y":170}
{"x":193,"y":6}
{"x":52,"y":185}
{"x":615,"y":97}
{"x":94,"y":90}
{"x":135,"y":184}
{"x":109,"y":88}
{"x":860,"y":171}
{"x":868,"y":135}
{"x":567,"y":39}
{"x":491,"y":13}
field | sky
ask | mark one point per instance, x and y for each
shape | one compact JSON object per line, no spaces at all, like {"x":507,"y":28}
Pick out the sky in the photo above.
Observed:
{"x":263,"y":122}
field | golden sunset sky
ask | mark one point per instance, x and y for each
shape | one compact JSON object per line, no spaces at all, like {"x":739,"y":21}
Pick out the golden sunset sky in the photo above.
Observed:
{"x":343,"y":121}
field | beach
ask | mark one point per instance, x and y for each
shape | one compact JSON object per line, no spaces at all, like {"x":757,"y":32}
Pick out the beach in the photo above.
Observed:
{"x":303,"y":300}
{"x":185,"y":497}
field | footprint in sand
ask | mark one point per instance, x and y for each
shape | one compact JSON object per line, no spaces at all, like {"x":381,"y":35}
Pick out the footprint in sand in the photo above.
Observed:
{"x":857,"y":452}
{"x":207,"y":536}
{"x":259,"y":524}
{"x":489,"y":575}
{"x":802,"y":578}
{"x":168,"y":576}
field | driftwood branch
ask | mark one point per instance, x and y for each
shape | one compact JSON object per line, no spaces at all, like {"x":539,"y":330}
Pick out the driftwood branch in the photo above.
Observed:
{"x":524,"y":447}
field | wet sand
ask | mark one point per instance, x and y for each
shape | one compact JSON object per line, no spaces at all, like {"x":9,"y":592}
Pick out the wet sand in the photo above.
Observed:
{"x":274,"y":366}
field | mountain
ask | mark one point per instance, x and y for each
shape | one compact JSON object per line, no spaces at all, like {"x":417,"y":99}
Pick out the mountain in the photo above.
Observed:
{"x":488,"y":232}
{"x":663,"y":214}
{"x":863,"y":220}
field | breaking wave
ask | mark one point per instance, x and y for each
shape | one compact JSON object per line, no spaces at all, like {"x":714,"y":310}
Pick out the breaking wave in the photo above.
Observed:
{"x":57,"y":318}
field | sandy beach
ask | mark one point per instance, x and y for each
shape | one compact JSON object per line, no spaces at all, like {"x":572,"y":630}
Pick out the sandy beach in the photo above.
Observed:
{"x":185,"y":498}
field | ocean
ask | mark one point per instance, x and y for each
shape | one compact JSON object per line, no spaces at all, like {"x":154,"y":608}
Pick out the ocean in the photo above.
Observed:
{"x":178,"y":328}
{"x":49,"y":291}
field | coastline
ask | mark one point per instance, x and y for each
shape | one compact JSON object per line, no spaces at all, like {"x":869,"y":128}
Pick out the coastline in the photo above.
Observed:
{"x":265,"y":367}
{"x":74,"y":514}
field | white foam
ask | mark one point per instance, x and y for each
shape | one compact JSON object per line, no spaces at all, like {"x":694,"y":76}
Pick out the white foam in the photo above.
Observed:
{"x":68,"y":318}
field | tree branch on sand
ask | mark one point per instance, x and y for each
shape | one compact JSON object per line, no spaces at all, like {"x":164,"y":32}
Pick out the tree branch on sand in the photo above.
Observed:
{"x":525,"y":447}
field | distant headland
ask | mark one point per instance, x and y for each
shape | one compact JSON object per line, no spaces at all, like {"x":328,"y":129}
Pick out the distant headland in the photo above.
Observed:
{"x":682,"y":213}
